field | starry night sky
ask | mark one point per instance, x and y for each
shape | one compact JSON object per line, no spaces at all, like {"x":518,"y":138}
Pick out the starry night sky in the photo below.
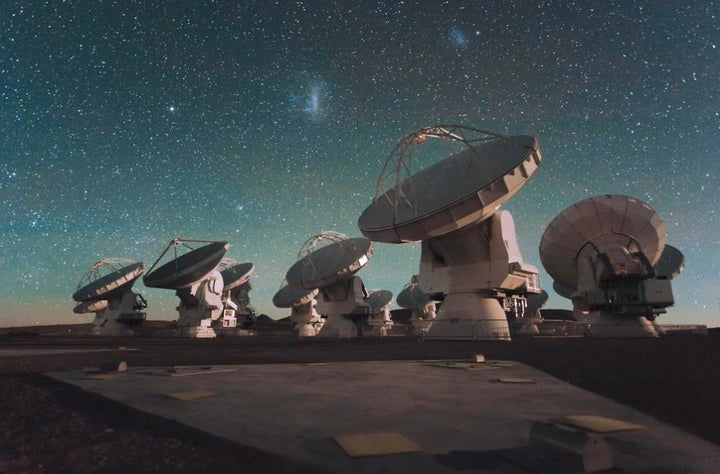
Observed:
{"x":127,"y":123}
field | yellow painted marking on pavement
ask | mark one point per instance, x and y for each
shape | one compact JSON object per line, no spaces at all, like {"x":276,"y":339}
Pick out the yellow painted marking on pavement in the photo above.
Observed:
{"x":376,"y":444}
{"x":597,"y":424}
{"x":191,"y":395}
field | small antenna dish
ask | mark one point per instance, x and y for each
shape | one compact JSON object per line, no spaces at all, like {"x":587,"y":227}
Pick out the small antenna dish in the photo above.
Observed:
{"x":94,"y":306}
{"x":379,"y":300}
{"x":671,"y":263}
{"x":379,"y":317}
{"x":326,"y":267}
{"x":235,"y":274}
{"x":185,"y":270}
{"x":466,"y":187}
{"x":412,"y":297}
{"x":107,"y":279}
{"x":562,"y":290}
{"x":537,"y":300}
{"x":423,"y":307}
{"x":289,"y":296}
{"x":330,"y":264}
{"x":197,"y":283}
{"x":106,"y":290}
{"x":236,"y":293}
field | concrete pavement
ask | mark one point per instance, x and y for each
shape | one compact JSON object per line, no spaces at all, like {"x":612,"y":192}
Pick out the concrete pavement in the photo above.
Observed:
{"x":465,"y":417}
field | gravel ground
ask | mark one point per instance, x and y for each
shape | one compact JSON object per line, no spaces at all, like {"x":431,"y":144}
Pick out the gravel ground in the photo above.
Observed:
{"x":49,"y":426}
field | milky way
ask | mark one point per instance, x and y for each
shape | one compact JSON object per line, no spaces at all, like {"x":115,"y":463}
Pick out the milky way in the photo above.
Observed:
{"x":127,"y":123}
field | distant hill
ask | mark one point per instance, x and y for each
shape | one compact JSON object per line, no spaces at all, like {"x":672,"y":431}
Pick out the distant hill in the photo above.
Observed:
{"x":49,"y":330}
{"x":85,"y":329}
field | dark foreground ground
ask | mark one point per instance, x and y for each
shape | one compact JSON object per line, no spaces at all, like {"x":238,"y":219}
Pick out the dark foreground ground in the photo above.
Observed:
{"x":48,"y":426}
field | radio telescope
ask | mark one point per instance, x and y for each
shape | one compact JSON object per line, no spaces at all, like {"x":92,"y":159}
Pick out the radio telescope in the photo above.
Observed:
{"x":236,"y":277}
{"x":305,"y":318}
{"x":470,"y":259}
{"x":379,"y":312}
{"x":670,"y":264}
{"x":106,"y":290}
{"x":422,"y":306}
{"x":192,"y":273}
{"x":608,"y":254}
{"x":328,"y":262}
{"x":527,"y":323}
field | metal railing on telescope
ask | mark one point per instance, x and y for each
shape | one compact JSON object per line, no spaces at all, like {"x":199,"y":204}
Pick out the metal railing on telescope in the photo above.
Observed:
{"x":495,"y":329}
{"x":544,"y":328}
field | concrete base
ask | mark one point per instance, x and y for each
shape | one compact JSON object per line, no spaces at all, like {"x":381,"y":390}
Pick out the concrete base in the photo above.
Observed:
{"x":196,"y":332}
{"x":528,"y":328}
{"x":307,"y":329}
{"x":338,"y":325}
{"x":470,"y":316}
{"x":111,"y":327}
{"x":420,"y":327}
{"x":380,"y":330}
{"x":609,"y":325}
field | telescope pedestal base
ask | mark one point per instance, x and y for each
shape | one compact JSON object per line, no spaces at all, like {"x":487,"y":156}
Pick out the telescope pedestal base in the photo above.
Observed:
{"x":197,"y":332}
{"x":108,"y":325}
{"x":306,"y":321}
{"x":609,"y":325}
{"x":470,"y":316}
{"x":338,"y":325}
{"x":305,"y":330}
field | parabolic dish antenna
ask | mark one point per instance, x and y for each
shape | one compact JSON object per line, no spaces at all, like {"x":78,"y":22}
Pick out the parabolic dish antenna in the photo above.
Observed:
{"x":670,"y":264}
{"x":484,"y":170}
{"x":289,"y":296}
{"x":95,"y":306}
{"x":185,"y":270}
{"x":537,"y":300}
{"x":412,"y":297}
{"x":562,"y":290}
{"x":235,"y":274}
{"x":379,"y":299}
{"x":330,"y":264}
{"x":108,"y":279}
{"x":603,"y":222}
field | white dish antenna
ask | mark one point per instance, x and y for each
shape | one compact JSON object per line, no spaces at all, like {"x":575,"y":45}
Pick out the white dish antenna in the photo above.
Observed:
{"x":234,"y":273}
{"x":108,"y":279}
{"x":95,"y":306}
{"x":601,"y":222}
{"x":288,"y":296}
{"x":470,"y":258}
{"x":412,"y":297}
{"x":608,"y":255}
{"x":330,"y":264}
{"x":537,"y":300}
{"x":670,"y":264}
{"x":325,"y":268}
{"x":484,"y":170}
{"x":106,"y":290}
{"x":186,"y":269}
{"x":562,"y":290}
{"x":379,"y":300}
